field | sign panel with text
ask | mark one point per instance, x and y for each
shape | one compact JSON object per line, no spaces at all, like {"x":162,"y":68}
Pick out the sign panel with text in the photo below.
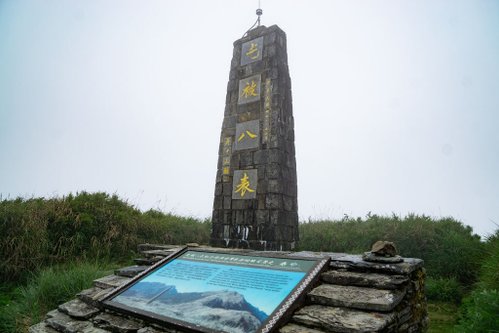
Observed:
{"x":218,"y":292}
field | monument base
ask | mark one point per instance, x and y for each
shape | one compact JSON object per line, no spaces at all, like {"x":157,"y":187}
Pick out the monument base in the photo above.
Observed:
{"x":353,"y":295}
{"x":253,"y":244}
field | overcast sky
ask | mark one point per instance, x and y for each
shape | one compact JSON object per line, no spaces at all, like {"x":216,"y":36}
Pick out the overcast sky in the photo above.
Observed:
{"x":396,"y":103}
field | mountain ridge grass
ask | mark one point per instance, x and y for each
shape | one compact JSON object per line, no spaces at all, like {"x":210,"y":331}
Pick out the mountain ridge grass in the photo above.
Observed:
{"x":38,"y":236}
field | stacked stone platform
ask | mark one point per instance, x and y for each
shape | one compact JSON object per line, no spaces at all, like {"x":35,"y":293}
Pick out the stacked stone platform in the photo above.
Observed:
{"x":352,"y":295}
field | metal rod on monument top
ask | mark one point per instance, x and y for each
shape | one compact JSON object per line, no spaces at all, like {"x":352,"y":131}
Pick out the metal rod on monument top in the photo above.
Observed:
{"x":259,"y":12}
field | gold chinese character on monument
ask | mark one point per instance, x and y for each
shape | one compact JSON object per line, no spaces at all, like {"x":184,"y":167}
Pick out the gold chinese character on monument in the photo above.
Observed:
{"x":249,"y":90}
{"x":226,"y":170}
{"x":253,"y":52}
{"x":244,"y":185}
{"x":243,"y":135}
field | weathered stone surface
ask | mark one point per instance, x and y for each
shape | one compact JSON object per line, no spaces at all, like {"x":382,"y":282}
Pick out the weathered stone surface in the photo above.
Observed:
{"x":94,"y":294}
{"x":258,"y":120}
{"x":130,"y":271}
{"x":293,"y":328}
{"x":111,"y":281}
{"x":144,"y":261}
{"x":117,"y":324}
{"x":160,"y":253}
{"x":384,"y":248}
{"x":41,"y":328}
{"x":355,"y":262}
{"x":335,"y":310}
{"x":356,"y":297}
{"x":370,"y":256}
{"x":78,"y":309}
{"x":333,"y":319}
{"x":147,"y":246}
{"x":64,"y":323}
{"x":372,"y":280}
{"x":161,"y":329}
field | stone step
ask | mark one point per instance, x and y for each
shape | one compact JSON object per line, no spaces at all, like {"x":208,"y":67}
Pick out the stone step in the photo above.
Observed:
{"x":144,"y":261}
{"x":111,"y":281}
{"x":293,"y":328}
{"x":78,"y":309}
{"x":64,"y":323}
{"x":117,"y":324}
{"x":41,"y":328}
{"x":93,"y":295}
{"x":157,"y":253}
{"x":130,"y":271}
{"x":153,"y":330}
{"x":371,"y":280}
{"x":353,"y":262}
{"x":356,"y":297}
{"x":334,"y":319}
{"x":147,"y":247}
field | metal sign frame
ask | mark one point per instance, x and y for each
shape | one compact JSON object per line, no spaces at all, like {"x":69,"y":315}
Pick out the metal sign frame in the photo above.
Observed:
{"x":297,"y":290}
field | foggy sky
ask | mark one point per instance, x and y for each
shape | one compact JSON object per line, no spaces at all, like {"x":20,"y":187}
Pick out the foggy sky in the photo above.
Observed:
{"x":395,"y":102}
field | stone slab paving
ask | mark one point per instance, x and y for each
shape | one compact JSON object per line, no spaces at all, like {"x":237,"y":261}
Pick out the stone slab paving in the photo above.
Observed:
{"x":130,"y":271}
{"x":293,"y":328}
{"x":344,"y":320}
{"x":64,"y":323}
{"x":93,"y":295}
{"x":356,"y":297}
{"x":41,"y":328}
{"x":78,"y":309}
{"x":117,"y":324}
{"x":334,"y":306}
{"x":111,"y":281}
{"x":372,"y":280}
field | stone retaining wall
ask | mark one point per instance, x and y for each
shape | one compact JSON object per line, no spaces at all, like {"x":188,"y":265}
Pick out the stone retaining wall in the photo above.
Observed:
{"x":353,"y":296}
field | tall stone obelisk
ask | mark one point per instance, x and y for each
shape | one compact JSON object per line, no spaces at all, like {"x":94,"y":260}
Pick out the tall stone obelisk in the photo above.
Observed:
{"x":255,"y":202}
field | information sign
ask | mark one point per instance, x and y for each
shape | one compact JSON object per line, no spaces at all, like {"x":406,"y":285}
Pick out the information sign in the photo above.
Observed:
{"x":218,"y":292}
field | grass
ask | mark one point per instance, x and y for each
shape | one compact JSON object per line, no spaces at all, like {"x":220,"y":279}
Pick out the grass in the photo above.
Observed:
{"x":26,"y":305}
{"x":443,"y":317}
{"x":49,"y":249}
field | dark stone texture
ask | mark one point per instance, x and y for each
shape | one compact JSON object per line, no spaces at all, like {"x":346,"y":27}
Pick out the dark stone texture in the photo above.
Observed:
{"x":130,"y":271}
{"x":78,"y":309}
{"x":111,"y":281}
{"x":64,"y":323}
{"x":259,"y":65}
{"x":335,"y":319}
{"x":41,"y":328}
{"x":117,"y":323}
{"x":372,"y":280}
{"x":361,"y":298}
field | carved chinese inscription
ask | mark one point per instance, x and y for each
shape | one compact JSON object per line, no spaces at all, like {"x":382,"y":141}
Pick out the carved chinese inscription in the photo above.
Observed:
{"x":252,"y":51}
{"x":249,"y":89}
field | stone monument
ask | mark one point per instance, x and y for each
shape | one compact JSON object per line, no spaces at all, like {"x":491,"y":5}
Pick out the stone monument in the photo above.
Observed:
{"x":255,"y":202}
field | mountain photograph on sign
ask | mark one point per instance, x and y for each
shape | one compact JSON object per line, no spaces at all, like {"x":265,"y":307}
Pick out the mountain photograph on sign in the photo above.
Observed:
{"x":221,"y":310}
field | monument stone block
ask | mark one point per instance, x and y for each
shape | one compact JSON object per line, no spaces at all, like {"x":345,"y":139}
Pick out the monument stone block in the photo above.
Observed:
{"x":245,"y":184}
{"x":249,"y":89}
{"x":252,"y":51}
{"x":259,"y":165}
{"x":248,"y":135}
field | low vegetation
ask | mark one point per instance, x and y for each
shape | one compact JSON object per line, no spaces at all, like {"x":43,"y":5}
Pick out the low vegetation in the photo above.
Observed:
{"x":36,"y":233}
{"x":27,"y":305}
{"x":49,"y":249}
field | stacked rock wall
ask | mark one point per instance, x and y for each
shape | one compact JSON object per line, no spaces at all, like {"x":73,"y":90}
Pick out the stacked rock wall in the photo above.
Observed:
{"x":352,"y":295}
{"x":255,"y":203}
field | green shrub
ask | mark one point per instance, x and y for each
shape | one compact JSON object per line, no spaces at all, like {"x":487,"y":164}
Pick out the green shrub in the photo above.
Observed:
{"x":45,"y":291}
{"x":480,"y":312}
{"x":38,"y":232}
{"x":489,"y":273}
{"x":443,"y":289}
{"x":448,"y":248}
